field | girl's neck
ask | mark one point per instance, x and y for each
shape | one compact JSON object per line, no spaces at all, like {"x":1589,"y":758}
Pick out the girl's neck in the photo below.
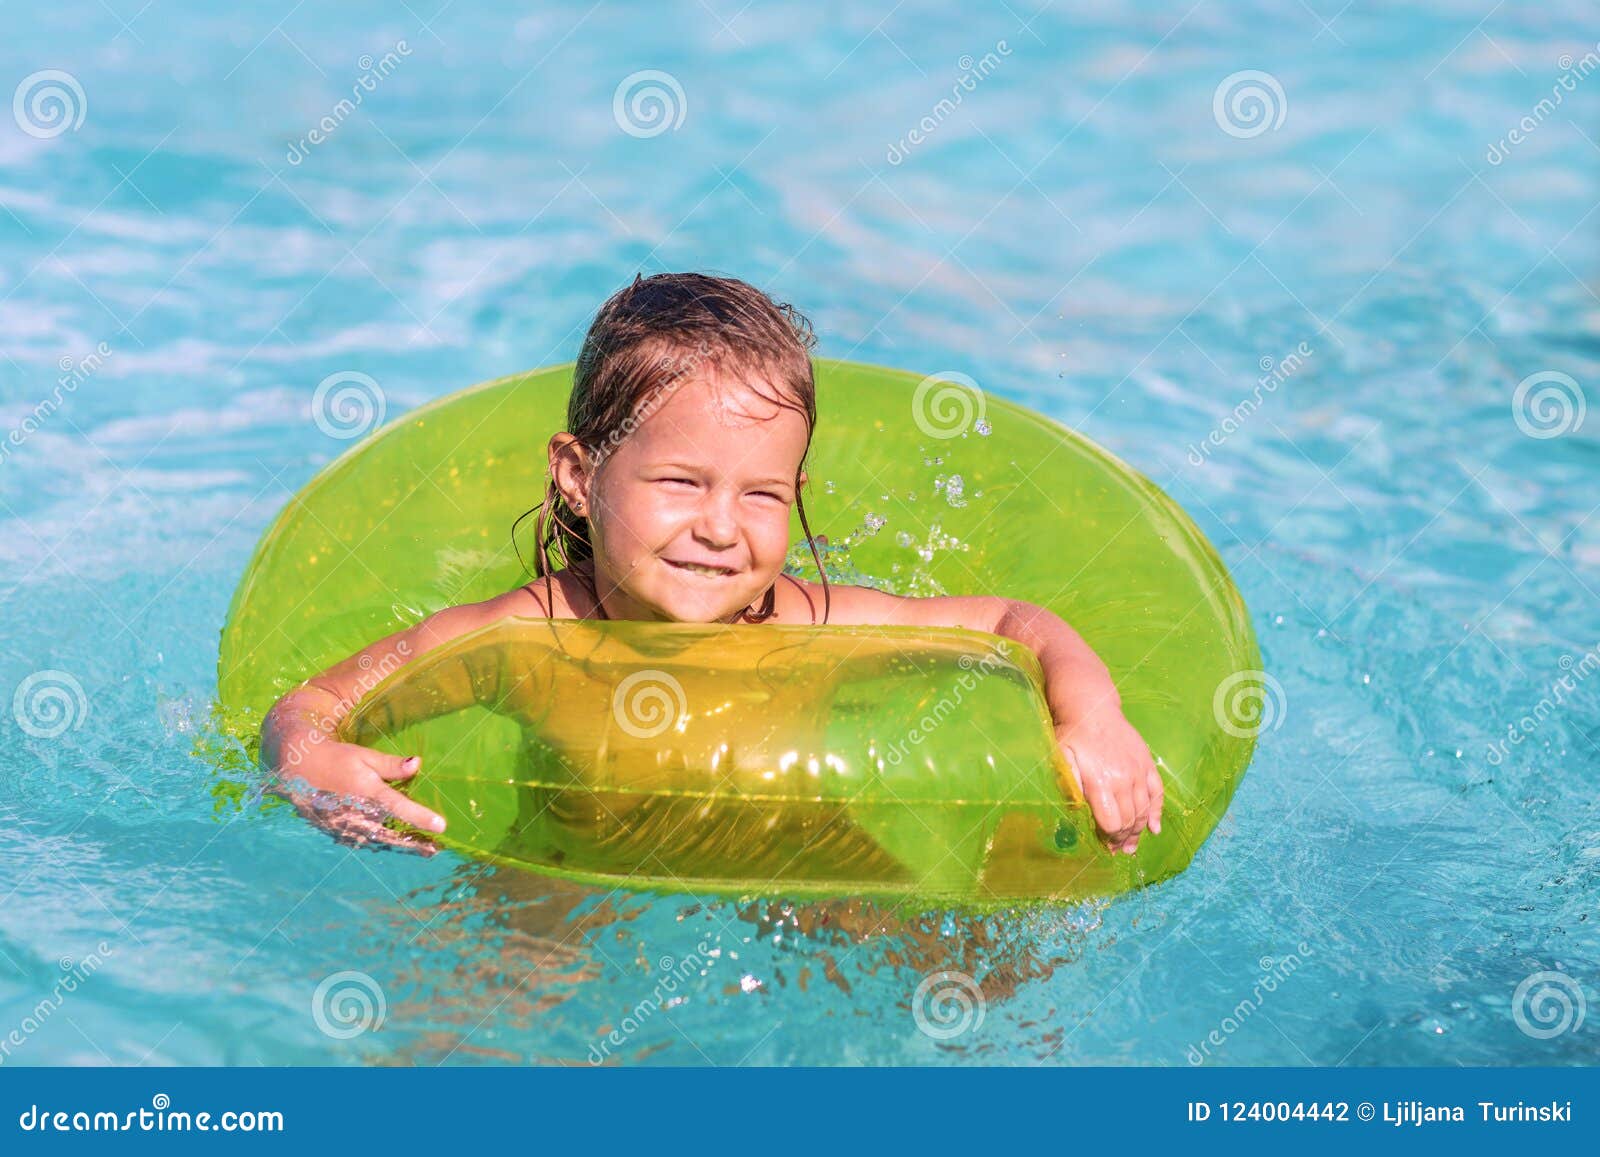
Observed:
{"x":590,"y":574}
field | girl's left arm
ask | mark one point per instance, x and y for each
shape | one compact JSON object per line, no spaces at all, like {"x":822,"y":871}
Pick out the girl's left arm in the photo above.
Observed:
{"x":1112,"y":762}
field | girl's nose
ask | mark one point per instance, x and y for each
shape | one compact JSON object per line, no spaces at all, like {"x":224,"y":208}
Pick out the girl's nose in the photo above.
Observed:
{"x":716,"y":524}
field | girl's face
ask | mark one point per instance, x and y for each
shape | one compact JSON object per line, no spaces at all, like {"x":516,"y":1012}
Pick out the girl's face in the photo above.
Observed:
{"x":689,"y":514}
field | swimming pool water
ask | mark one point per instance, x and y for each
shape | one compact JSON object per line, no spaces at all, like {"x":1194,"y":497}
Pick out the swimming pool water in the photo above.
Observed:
{"x":1307,"y":319}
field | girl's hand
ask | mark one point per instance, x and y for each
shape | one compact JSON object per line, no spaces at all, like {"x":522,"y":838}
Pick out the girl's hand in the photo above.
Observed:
{"x":344,"y":789}
{"x":1117,"y":775}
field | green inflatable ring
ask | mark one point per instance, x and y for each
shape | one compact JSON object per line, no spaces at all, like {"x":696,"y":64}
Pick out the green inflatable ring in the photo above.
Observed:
{"x":921,"y":486}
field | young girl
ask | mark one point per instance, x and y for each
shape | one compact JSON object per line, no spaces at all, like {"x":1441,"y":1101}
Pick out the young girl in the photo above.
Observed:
{"x":692,"y":410}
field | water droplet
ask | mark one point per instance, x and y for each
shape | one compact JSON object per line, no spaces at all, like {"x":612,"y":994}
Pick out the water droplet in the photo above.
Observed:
{"x":982,"y":427}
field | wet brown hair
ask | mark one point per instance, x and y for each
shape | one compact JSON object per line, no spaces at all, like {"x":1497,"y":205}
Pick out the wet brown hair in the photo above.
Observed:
{"x":645,"y":341}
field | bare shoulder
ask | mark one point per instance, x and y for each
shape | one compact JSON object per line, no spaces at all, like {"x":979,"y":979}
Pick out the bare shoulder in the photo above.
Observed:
{"x":562,"y":595}
{"x":803,"y":602}
{"x":536,"y":599}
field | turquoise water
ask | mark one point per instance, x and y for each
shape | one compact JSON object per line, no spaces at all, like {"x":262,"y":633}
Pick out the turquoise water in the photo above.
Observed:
{"x":1086,"y":231}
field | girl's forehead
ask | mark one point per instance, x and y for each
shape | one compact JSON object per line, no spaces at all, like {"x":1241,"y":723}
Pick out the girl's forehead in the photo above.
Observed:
{"x":716,"y":409}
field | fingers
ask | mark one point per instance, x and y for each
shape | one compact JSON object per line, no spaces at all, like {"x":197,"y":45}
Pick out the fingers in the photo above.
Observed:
{"x":1109,"y":802}
{"x":393,"y":767}
{"x":355,"y":828}
{"x":407,"y":810}
{"x":1158,"y":798}
{"x":1102,"y":800}
{"x":1139,"y":790}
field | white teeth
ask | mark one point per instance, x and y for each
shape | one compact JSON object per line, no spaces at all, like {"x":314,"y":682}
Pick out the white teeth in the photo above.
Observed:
{"x":706,"y":570}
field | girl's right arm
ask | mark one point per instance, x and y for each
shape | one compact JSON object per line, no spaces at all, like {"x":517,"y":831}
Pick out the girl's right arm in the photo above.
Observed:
{"x":320,"y":774}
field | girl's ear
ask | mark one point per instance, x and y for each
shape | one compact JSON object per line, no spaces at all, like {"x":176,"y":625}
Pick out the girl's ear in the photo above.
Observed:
{"x":804,"y":478}
{"x":570,"y":469}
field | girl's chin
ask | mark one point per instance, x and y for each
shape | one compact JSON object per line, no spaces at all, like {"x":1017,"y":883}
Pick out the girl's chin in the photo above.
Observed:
{"x":708,"y":609}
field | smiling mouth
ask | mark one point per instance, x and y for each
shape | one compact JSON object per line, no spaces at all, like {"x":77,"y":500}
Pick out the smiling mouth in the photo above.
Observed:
{"x":696,"y":568}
